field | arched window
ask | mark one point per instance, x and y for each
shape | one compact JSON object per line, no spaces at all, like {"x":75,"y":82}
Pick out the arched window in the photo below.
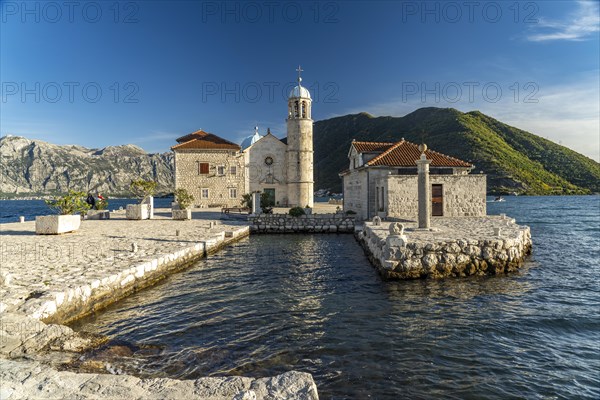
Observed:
{"x":296,"y":109}
{"x":303,"y":109}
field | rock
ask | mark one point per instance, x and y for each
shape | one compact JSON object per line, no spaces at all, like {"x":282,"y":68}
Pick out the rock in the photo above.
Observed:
{"x":30,"y":379}
{"x":430,"y":260}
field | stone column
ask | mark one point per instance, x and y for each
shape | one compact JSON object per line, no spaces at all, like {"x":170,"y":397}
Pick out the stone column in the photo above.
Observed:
{"x":150,"y":201}
{"x":424,"y":190}
{"x":256,"y":203}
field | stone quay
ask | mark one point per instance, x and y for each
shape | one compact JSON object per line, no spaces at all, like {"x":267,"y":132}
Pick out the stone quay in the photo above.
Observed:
{"x":452,"y":247}
{"x":48,"y":281}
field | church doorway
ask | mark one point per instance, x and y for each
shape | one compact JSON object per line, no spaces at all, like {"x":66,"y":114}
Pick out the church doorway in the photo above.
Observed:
{"x":270,"y":196}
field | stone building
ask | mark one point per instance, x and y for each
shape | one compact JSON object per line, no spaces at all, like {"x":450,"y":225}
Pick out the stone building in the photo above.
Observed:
{"x":282,"y":168}
{"x":382,"y":178}
{"x":211,"y":168}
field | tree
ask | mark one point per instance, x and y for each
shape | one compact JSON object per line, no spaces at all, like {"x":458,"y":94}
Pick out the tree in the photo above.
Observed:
{"x":143,"y":189}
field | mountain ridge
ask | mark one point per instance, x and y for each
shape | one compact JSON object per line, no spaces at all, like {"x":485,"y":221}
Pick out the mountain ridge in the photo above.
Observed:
{"x":514,"y":160}
{"x":32,"y":167}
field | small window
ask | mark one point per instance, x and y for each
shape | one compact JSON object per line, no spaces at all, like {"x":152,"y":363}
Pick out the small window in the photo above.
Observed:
{"x":204,"y":193}
{"x":233,"y":193}
{"x":203,"y":168}
{"x":221,"y":170}
{"x":233,"y":170}
{"x":269,"y":160}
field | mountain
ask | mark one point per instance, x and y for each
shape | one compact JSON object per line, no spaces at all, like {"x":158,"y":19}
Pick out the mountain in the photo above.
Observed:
{"x":513,"y":159}
{"x":33,"y":167}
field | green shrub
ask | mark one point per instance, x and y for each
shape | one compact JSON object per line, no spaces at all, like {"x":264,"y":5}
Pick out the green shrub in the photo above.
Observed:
{"x":101,"y":204}
{"x":296,"y":211}
{"x":247,"y":200}
{"x":143,"y":189}
{"x":183,"y":198}
{"x":71,"y":203}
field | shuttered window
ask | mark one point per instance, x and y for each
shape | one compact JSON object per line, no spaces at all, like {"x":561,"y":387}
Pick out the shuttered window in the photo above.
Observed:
{"x":202,"y":168}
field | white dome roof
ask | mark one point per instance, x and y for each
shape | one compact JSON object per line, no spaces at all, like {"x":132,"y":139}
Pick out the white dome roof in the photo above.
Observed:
{"x":250,"y":140}
{"x":299,"y":91}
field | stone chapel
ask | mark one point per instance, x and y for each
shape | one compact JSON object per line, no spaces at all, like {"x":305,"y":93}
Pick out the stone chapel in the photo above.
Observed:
{"x":218,"y":172}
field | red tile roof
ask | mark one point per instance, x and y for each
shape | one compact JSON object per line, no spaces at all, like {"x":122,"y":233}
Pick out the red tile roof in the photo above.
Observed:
{"x":204,"y":140}
{"x":194,"y":135}
{"x":404,"y":154}
{"x":371,"y":147}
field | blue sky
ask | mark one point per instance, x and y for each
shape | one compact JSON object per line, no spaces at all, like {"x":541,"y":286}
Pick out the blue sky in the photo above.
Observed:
{"x":146,"y":72}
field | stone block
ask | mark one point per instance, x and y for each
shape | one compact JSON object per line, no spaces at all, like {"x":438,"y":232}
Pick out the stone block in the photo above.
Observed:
{"x":182,"y":215}
{"x":56,"y":224}
{"x":396,"y":241}
{"x":98,"y":214}
{"x":137,"y":211}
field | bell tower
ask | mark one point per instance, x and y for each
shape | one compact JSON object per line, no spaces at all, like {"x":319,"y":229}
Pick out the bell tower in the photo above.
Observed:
{"x":300,"y":146}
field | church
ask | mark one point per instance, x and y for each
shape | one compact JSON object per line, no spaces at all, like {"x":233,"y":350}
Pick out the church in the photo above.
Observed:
{"x":218,"y":172}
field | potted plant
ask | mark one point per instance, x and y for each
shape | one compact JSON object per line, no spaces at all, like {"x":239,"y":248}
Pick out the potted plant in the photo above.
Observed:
{"x":71,"y":208}
{"x":100,"y":210}
{"x":145,"y":209}
{"x":307,"y":210}
{"x":184,"y":201}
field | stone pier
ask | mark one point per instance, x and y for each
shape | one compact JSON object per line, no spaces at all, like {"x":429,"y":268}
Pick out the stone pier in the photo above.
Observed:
{"x":453,"y":247}
{"x":47,"y":281}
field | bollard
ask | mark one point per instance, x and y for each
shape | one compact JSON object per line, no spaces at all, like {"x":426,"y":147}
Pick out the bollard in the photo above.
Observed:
{"x":134,"y":247}
{"x":177,"y":232}
{"x":21,"y":219}
{"x":210,"y":225}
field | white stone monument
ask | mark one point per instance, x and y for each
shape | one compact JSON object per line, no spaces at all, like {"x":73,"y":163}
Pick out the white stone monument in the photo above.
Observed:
{"x":396,"y":238}
{"x":424,"y":189}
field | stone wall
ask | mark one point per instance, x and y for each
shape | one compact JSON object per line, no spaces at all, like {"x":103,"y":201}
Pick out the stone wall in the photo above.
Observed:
{"x":464,"y":195}
{"x":315,"y":223}
{"x":360,"y":193}
{"x":187,"y":176}
{"x":458,"y":247}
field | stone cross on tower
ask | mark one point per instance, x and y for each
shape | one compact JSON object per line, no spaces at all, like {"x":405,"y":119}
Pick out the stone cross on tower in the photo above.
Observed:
{"x":299,"y":70}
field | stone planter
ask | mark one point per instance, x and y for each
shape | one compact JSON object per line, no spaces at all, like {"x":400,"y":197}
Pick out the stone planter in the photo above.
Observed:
{"x":182,"y":214}
{"x":56,"y":224}
{"x":137,"y":211}
{"x":98,"y":214}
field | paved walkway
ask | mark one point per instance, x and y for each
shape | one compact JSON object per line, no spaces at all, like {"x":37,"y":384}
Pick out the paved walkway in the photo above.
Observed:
{"x":39,"y":266}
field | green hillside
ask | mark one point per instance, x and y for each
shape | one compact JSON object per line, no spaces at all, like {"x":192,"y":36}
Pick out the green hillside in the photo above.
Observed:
{"x":513,"y":159}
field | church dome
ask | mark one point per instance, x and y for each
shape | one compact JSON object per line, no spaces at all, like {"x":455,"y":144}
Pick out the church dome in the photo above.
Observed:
{"x":250,"y":140}
{"x":299,"y":91}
